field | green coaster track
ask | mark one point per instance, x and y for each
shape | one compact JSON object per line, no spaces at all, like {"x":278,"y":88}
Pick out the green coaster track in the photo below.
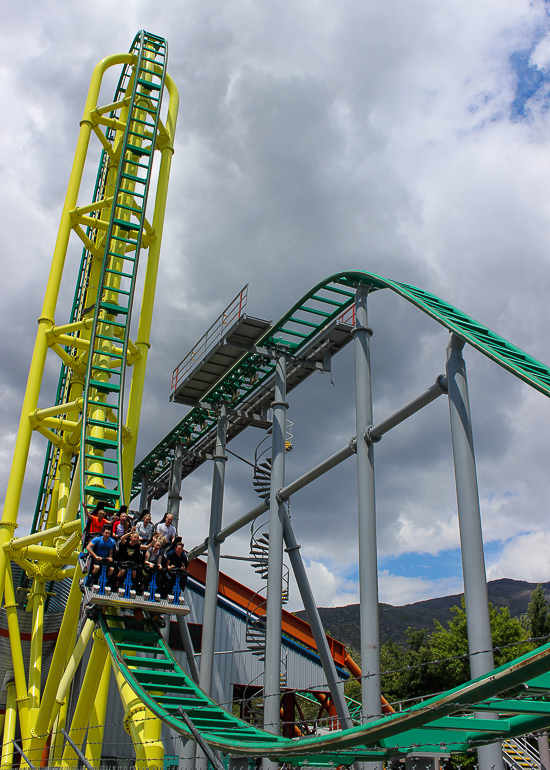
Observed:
{"x":319,"y":307}
{"x":146,"y":663}
{"x":101,"y":442}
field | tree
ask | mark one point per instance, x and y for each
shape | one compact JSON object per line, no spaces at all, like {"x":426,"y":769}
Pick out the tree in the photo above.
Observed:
{"x":450,"y":646}
{"x":409,"y":674}
{"x":538,"y":615}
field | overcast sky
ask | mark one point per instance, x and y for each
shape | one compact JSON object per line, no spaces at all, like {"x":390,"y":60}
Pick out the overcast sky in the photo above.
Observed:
{"x":406,"y":139}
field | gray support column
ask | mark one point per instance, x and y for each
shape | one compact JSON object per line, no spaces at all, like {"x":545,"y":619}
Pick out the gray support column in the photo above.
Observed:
{"x":368,"y":562}
{"x":274,"y":610}
{"x":544,"y":751}
{"x":144,"y":492}
{"x":471,"y":539}
{"x":174,"y":492}
{"x":335,"y":684}
{"x":188,"y":647}
{"x":213,"y":563}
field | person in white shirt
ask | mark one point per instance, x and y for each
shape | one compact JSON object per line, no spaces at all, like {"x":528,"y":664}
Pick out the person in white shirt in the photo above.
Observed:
{"x":166,"y":529}
{"x":145,"y":528}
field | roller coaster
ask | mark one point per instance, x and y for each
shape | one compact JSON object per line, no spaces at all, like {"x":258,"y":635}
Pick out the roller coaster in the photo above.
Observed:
{"x":91,"y":436}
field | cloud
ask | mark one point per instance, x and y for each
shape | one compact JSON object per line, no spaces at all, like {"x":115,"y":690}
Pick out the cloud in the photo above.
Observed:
{"x":331,"y":590}
{"x":525,"y":557}
{"x":398,"y":589}
{"x":314,"y":138}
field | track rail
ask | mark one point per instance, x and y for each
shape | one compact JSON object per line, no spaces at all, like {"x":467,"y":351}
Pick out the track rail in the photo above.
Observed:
{"x":101,"y":439}
{"x":154,"y":674}
{"x":307,"y":318}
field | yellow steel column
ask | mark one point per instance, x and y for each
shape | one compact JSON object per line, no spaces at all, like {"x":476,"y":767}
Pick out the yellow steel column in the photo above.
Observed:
{"x":57,"y":736}
{"x":52,"y":513}
{"x":16,"y":654}
{"x":46,"y":320}
{"x":70,"y":671}
{"x":9,"y":728}
{"x":143,"y":726}
{"x":64,"y":471}
{"x":65,"y":641}
{"x":94,"y":741}
{"x":38,"y":595}
{"x":146,"y":315}
{"x":86,"y":698}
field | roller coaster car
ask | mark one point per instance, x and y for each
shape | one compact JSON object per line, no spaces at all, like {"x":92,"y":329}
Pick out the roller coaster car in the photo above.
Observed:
{"x":101,"y":593}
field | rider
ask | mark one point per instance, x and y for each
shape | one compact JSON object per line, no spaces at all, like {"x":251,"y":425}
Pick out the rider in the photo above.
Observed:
{"x":145,"y":528}
{"x":99,"y":548}
{"x":154,"y":565}
{"x":165,"y":528}
{"x":176,"y":561}
{"x":130,"y":549}
{"x":97,"y":519}
{"x":121,"y":524}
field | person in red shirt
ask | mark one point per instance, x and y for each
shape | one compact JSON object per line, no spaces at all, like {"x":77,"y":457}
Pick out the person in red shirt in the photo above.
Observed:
{"x":97,"y":518}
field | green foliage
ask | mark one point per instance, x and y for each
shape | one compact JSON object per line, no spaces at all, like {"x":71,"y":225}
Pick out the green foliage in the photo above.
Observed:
{"x":437,"y":661}
{"x":409,"y":675}
{"x":451,"y":644}
{"x":538,"y":615}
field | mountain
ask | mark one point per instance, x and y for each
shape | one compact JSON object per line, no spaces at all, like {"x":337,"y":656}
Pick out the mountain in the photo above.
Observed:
{"x":343,"y":622}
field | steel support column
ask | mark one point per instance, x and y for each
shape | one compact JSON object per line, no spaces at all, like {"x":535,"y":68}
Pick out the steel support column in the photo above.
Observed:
{"x":143,"y":498}
{"x":274,"y":610}
{"x":174,"y":493}
{"x":544,"y":750}
{"x":368,"y":565}
{"x":188,"y":648}
{"x":96,"y":727}
{"x":213,"y":563}
{"x":335,"y":684}
{"x":9,"y":727}
{"x":471,"y":539}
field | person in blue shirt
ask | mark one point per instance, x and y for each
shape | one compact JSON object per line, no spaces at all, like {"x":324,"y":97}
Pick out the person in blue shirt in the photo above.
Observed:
{"x":99,"y":548}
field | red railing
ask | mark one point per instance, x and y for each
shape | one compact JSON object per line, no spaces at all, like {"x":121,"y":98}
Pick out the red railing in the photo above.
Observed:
{"x":348,"y":316}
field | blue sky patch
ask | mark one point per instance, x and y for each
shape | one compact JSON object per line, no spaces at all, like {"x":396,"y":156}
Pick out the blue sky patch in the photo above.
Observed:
{"x":447,"y":564}
{"x":530,"y":82}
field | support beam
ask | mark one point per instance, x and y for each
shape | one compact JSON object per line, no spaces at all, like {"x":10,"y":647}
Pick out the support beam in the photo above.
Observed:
{"x":212,"y":758}
{"x":274,"y":610}
{"x":213,"y":563}
{"x":10,"y":607}
{"x":143,"y":498}
{"x":76,"y":750}
{"x":86,"y":698}
{"x":38,"y":595}
{"x":368,"y":565}
{"x":71,"y":668}
{"x":9,"y":727}
{"x":319,"y":470}
{"x":480,"y":642}
{"x":544,"y":750}
{"x":376,"y":432}
{"x":373,"y":433}
{"x":65,"y":640}
{"x":335,"y":684}
{"x":188,"y":648}
{"x":174,"y":495}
